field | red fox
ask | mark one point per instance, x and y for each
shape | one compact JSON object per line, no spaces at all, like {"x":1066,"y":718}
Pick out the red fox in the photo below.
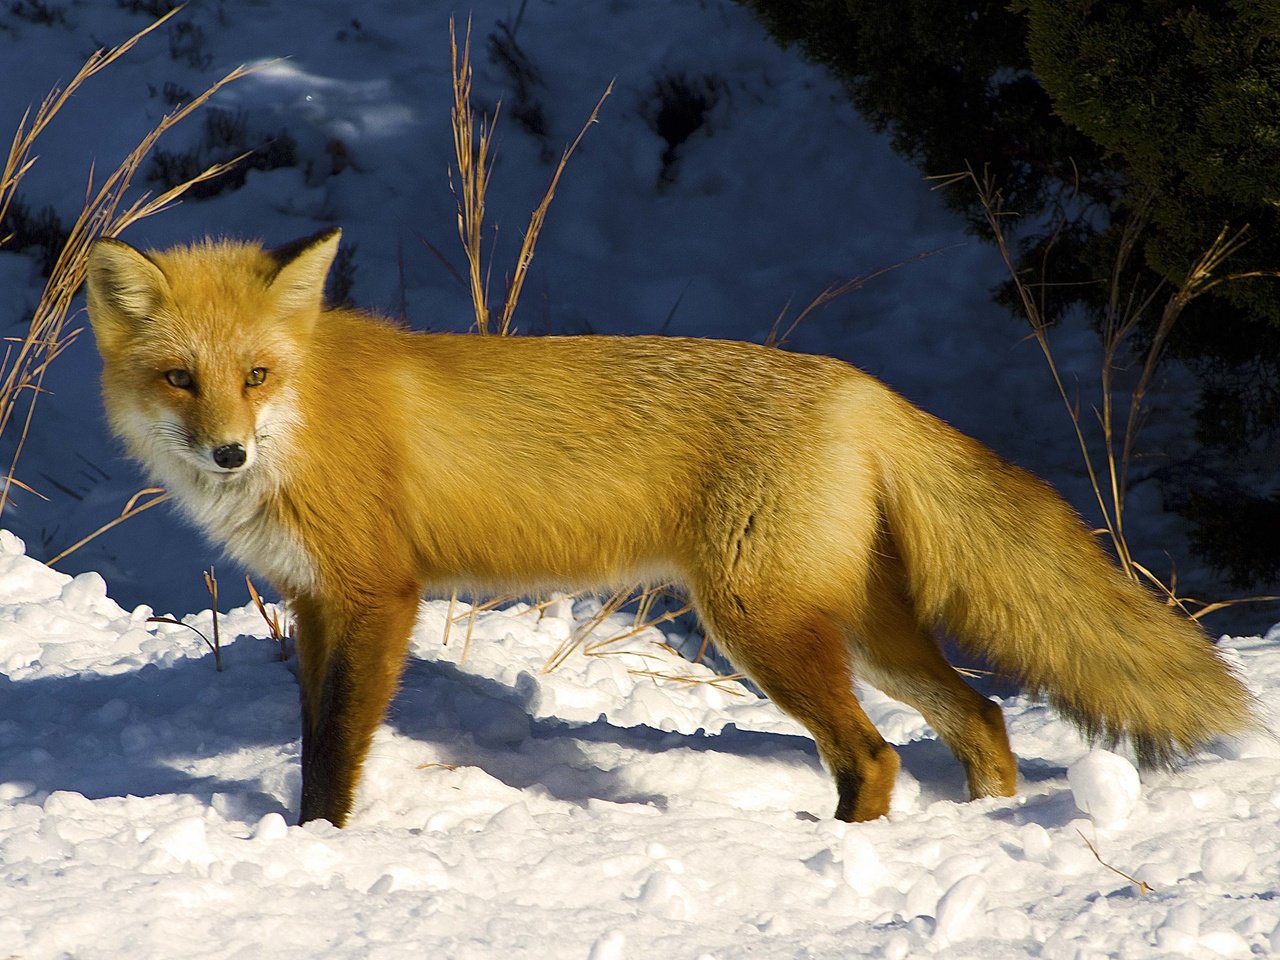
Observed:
{"x":822,"y":525}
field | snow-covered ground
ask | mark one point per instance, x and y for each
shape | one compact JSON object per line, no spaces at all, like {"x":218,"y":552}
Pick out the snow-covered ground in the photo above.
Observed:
{"x":593,"y":811}
{"x":597,"y":810}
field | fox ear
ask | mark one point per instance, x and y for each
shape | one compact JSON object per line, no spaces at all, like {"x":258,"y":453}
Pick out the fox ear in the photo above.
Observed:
{"x":124,"y":287}
{"x":303,"y":266}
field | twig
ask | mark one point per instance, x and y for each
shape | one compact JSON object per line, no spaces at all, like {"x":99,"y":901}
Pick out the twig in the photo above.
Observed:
{"x":1143,"y":887}
{"x":539,"y":216}
{"x":278,"y":634}
{"x":644,"y":618}
{"x":837,"y":290}
{"x":131,"y":509}
{"x":1123,"y":313}
{"x":211,"y":584}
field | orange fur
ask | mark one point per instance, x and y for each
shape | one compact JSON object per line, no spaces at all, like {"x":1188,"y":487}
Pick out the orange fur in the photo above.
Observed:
{"x":821,"y":524}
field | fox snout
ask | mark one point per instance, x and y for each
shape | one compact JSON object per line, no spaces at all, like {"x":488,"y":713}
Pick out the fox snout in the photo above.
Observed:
{"x":230,"y":456}
{"x":224,"y":456}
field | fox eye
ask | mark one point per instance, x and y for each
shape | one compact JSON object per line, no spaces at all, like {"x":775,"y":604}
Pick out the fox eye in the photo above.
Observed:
{"x":181,"y":379}
{"x":257,"y":377}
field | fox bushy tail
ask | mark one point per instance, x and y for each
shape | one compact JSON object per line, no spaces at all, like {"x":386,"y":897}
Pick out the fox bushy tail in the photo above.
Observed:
{"x":997,"y":559}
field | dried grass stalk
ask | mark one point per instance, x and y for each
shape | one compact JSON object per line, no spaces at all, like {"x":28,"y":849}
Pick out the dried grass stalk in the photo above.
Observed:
{"x":104,"y":214}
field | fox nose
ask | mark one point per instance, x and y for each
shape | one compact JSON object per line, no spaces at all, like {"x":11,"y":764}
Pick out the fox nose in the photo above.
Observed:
{"x":230,"y":456}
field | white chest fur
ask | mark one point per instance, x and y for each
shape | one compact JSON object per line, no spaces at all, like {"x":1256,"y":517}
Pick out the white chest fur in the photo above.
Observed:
{"x":238,"y":513}
{"x":235,"y":509}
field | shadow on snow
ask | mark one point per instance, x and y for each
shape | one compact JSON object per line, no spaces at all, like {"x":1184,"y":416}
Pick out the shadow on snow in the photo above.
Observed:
{"x":154,"y":730}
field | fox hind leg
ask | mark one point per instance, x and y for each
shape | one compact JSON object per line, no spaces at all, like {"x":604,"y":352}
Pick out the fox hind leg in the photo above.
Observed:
{"x":802,"y":664}
{"x":898,"y":656}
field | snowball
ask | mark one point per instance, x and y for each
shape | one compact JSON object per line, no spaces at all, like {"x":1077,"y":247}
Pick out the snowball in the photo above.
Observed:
{"x":1105,"y":786}
{"x":961,"y":909}
{"x":1223,"y":860}
{"x":271,"y":827}
{"x":608,"y":947}
{"x":1036,"y":842}
{"x":1160,"y":876}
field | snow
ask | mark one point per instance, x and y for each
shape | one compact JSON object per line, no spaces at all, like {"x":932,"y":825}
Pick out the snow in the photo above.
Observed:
{"x":627,"y":802}
{"x":1105,"y":786}
{"x":590,"y":811}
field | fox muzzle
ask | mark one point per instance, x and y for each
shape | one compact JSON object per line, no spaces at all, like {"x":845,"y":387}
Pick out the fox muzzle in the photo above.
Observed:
{"x":230,"y":456}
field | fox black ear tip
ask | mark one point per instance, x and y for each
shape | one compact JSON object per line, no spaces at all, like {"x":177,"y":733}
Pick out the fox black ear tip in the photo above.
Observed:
{"x":328,"y":235}
{"x":290,"y":251}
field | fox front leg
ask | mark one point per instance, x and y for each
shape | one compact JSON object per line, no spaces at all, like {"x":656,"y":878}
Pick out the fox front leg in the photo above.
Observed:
{"x":350,"y":658}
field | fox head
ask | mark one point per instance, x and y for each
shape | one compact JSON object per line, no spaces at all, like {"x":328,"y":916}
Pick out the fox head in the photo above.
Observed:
{"x":202,"y":346}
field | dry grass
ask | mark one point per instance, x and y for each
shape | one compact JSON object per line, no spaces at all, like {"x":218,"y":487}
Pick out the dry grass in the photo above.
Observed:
{"x":279,"y":630}
{"x":105,"y":213}
{"x":473,"y":150}
{"x":645,"y":600}
{"x":215,"y":645}
{"x":133,"y":506}
{"x":1127,"y":306}
{"x":778,"y":336}
{"x":1143,"y":887}
{"x":475,"y":162}
{"x":468,"y":618}
{"x":660,"y":659}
